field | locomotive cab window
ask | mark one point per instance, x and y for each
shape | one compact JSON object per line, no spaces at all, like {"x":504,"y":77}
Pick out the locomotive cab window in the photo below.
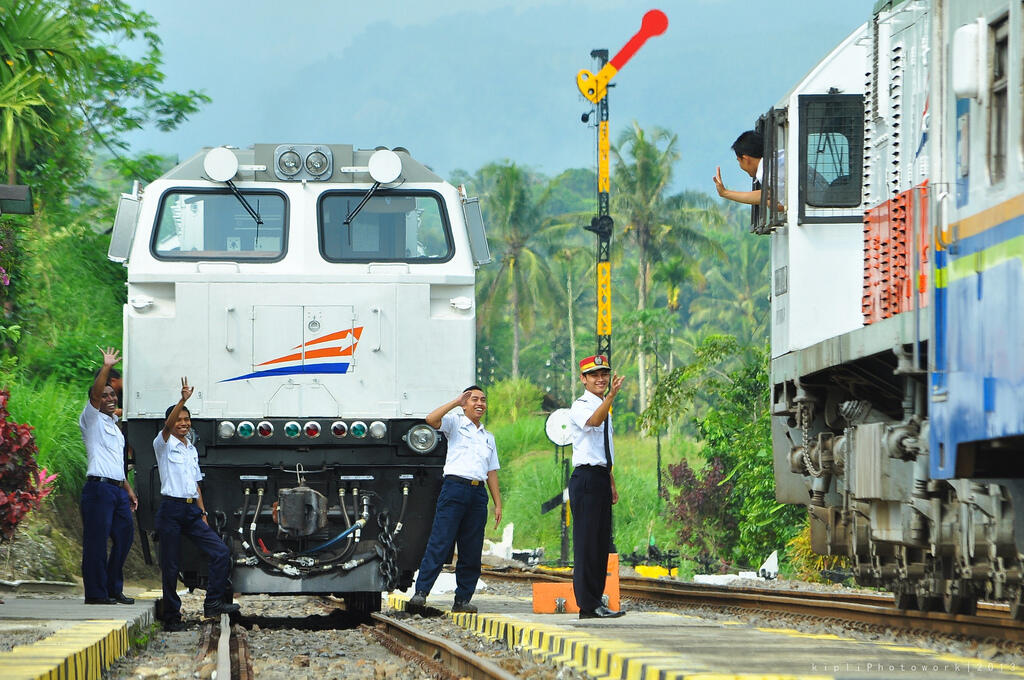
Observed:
{"x":391,"y":227}
{"x":215,"y":225}
{"x":997,"y":101}
{"x":831,"y":146}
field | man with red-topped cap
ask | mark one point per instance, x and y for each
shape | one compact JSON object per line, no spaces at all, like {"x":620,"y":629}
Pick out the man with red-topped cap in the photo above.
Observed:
{"x":592,"y":485}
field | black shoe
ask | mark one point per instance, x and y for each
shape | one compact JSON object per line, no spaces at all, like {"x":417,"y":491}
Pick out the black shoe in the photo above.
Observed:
{"x":174,"y":626}
{"x":123,"y":599}
{"x":218,"y":608}
{"x":466,"y":607}
{"x":601,"y":612}
{"x":417,"y":602}
{"x":100,"y":600}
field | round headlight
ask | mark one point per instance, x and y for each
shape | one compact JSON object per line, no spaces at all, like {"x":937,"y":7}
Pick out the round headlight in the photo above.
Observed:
{"x":292,"y":429}
{"x":226,"y":429}
{"x":316,"y":163}
{"x":378,"y":429}
{"x":421,"y":438}
{"x":289,"y":163}
{"x":358,"y":429}
{"x":339,"y":428}
{"x":246,"y":429}
{"x":312,"y":429}
{"x":265,"y":428}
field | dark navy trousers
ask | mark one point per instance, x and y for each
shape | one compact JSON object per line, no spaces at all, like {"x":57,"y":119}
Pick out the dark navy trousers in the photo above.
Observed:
{"x":459,"y":519}
{"x":106,"y":515}
{"x":590,"y":497}
{"x":174,"y":520}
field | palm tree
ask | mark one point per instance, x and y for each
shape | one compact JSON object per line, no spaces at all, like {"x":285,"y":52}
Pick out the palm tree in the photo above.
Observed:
{"x":655,"y":223}
{"x":514,"y":219}
{"x":38,"y":48}
{"x":736,"y":300}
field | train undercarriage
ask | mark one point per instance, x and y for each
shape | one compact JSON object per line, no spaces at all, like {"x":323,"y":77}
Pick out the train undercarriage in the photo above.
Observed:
{"x":851,"y":443}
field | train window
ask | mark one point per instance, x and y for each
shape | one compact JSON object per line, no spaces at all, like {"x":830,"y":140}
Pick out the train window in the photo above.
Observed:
{"x":997,"y":112}
{"x":215,"y":225}
{"x":771,"y":214}
{"x":391,"y":227}
{"x":831,"y":153}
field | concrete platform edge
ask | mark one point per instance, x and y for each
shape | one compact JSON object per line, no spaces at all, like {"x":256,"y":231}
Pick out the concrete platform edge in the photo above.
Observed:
{"x":81,"y":651}
{"x":598,"y":658}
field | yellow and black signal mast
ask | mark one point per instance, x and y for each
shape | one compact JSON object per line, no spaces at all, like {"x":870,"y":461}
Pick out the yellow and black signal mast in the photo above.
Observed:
{"x":595,"y":89}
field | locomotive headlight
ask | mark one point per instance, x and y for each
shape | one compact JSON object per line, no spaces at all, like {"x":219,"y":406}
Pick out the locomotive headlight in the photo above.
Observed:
{"x":226,"y":429}
{"x":316,"y":163}
{"x":312,"y":429}
{"x":292,"y":429}
{"x":246,"y":429}
{"x":378,"y":429}
{"x":358,"y":429}
{"x":339,"y":428}
{"x":289,"y":163}
{"x":265,"y":428}
{"x":421,"y":438}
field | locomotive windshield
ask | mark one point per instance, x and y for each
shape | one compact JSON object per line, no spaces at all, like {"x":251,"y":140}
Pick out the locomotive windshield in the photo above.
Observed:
{"x":214,"y":225}
{"x":391,"y":227}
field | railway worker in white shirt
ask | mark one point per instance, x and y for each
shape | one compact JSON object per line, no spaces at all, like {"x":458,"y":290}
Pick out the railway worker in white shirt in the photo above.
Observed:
{"x":592,"y":485}
{"x":182,"y":512}
{"x":461,"y":513}
{"x":107,"y":499}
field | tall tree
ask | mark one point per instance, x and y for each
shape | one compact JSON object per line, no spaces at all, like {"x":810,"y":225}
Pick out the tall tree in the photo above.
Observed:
{"x":655,"y":223}
{"x":521,"y":284}
{"x":38,"y":59}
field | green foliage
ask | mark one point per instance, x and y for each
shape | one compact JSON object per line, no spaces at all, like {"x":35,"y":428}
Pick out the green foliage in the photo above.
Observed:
{"x":511,"y":399}
{"x":21,"y":487}
{"x":534,"y":477}
{"x":735,"y":431}
{"x":807,"y":565}
{"x":52,"y":406}
{"x":520,"y":437}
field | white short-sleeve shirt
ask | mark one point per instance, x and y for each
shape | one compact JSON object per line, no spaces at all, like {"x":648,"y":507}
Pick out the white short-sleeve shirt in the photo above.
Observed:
{"x":588,"y":440}
{"x":178,"y":462}
{"x":472,"y":452}
{"x":104,"y":443}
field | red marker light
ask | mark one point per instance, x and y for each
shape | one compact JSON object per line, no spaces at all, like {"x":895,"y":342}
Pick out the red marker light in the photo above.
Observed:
{"x":312,"y":429}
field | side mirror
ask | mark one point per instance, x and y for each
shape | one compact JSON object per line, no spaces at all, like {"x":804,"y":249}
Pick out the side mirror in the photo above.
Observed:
{"x":475,"y":230}
{"x":125,"y":220}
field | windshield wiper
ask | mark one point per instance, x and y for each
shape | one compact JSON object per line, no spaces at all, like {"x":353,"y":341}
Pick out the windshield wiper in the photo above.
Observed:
{"x":352,"y":215}
{"x":245,"y":204}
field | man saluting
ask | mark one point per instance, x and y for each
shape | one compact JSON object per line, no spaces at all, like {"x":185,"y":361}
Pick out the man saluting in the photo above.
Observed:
{"x":592,"y":485}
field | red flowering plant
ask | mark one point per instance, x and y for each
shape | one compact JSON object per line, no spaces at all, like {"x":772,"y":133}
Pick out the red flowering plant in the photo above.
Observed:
{"x":22,"y":484}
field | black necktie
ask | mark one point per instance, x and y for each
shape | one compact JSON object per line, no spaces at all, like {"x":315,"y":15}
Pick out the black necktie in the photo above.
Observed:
{"x":607,"y":446}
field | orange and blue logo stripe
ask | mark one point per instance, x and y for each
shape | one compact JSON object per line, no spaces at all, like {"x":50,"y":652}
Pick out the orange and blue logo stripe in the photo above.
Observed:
{"x":340,"y":344}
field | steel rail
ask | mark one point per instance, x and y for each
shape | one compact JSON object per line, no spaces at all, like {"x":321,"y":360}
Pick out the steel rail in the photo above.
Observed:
{"x":455,"y":660}
{"x":856,"y":608}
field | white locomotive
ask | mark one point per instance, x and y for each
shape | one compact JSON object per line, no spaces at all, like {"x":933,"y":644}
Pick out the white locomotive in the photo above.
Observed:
{"x":321,"y":300}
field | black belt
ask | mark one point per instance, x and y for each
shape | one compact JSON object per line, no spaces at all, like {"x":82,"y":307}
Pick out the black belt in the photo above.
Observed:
{"x":602,"y":468}
{"x":463,"y":480}
{"x":180,"y":500}
{"x":108,"y":480}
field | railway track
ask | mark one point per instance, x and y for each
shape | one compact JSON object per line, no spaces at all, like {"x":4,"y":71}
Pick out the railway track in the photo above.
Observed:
{"x":992,"y":624}
{"x":224,"y":648}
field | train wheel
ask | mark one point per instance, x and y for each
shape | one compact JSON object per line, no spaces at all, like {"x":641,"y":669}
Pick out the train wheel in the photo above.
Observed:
{"x":904,"y":597}
{"x":362,"y":603}
{"x":1017,"y":604}
{"x":959,"y":600}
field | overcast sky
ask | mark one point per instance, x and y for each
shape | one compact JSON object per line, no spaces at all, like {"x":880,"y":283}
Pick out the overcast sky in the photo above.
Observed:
{"x":462,"y":83}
